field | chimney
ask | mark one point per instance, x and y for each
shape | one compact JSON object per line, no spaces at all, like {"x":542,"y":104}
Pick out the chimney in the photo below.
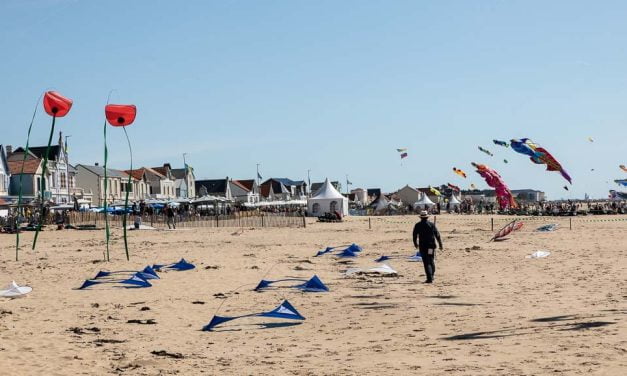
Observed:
{"x":9,"y":149}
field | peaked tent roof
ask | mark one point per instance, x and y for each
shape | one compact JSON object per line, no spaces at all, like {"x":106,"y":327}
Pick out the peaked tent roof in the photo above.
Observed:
{"x":454,"y":201}
{"x":424,"y":200}
{"x":382,"y":203}
{"x":327,"y":191}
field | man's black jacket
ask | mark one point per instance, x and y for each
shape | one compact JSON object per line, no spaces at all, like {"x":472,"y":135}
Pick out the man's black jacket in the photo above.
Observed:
{"x":425,"y":235}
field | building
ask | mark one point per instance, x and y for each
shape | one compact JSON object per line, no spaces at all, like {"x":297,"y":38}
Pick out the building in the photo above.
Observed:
{"x":140,"y":189}
{"x":409,"y":195}
{"x":160,"y":182}
{"x":245,"y":191}
{"x":214,"y":187}
{"x":184,"y":182}
{"x":59,"y":181}
{"x":284,"y":189}
{"x":91,"y":179}
{"x":5,"y":173}
{"x":27,"y":174}
{"x":528,"y":195}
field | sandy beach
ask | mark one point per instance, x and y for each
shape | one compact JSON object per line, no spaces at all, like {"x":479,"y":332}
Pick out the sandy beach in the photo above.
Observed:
{"x":491,"y":311}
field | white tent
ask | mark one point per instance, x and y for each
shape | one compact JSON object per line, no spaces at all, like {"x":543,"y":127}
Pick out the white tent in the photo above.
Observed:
{"x":454,"y":201}
{"x":327,"y":200}
{"x":424,"y":200}
{"x":382,"y":204}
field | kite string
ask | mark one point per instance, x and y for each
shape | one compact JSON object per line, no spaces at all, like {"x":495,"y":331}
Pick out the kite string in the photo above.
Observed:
{"x":19,"y":197}
{"x":44,"y":171}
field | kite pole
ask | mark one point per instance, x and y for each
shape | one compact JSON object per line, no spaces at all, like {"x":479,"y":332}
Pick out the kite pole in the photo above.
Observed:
{"x":128,"y":185}
{"x":20,"y":211}
{"x":44,"y":170}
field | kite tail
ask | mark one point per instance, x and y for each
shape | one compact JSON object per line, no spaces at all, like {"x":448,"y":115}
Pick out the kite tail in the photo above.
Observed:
{"x":566,"y":176}
{"x":129,"y":184}
{"x":44,"y":170}
{"x":19,"y":196}
{"x":106,"y":215}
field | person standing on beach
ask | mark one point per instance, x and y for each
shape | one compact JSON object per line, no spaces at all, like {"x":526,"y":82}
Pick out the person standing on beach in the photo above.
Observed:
{"x":169,"y":212}
{"x":425,"y":236}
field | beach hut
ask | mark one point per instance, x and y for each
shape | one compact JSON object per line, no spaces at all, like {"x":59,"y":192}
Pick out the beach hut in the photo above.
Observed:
{"x":327,"y":200}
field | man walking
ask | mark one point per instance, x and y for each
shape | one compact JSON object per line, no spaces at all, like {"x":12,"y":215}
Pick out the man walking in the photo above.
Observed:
{"x":425,"y":235}
{"x":169,"y":212}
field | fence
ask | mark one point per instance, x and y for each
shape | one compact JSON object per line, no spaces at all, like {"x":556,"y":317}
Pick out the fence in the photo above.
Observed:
{"x":241,"y":219}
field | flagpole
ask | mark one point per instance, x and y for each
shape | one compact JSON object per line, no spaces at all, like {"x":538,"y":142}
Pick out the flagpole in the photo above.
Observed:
{"x":258,"y":180}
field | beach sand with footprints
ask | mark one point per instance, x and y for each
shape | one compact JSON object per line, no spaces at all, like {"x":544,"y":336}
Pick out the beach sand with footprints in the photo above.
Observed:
{"x":491,"y":311}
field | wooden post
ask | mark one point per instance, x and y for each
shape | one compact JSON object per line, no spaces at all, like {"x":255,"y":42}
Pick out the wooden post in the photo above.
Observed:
{"x":217,"y":220}
{"x":492,"y":223}
{"x":261,"y":219}
{"x":435,"y":219}
{"x":369,"y":224}
{"x":570,"y":223}
{"x":304,"y":221}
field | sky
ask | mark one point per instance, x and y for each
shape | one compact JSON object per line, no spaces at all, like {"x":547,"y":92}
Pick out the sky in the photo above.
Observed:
{"x":334,"y":87}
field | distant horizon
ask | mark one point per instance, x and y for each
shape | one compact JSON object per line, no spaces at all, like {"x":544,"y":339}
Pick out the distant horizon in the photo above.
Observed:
{"x":331,"y":87}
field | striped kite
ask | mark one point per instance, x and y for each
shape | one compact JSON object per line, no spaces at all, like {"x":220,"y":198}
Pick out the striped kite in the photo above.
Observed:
{"x":514,"y":225}
{"x":501,"y":143}
{"x":539,"y":155}
{"x":622,"y":167}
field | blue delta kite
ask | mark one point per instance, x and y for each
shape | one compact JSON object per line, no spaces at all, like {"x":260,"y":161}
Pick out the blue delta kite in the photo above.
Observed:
{"x":123,"y":278}
{"x":351,"y":251}
{"x":284,"y":311}
{"x":314,"y":284}
{"x":178,"y":266}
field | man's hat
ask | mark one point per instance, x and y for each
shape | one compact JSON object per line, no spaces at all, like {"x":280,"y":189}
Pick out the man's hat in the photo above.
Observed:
{"x":424,"y":214}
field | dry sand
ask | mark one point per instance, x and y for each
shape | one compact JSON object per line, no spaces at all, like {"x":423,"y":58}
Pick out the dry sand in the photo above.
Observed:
{"x":490,"y":312}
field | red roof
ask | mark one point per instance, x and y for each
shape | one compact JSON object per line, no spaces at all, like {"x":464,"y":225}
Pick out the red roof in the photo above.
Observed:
{"x":240,"y":184}
{"x":137,"y":174}
{"x":30,"y":166}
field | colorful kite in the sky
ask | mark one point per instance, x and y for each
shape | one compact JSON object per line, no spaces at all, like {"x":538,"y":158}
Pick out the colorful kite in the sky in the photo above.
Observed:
{"x":590,"y":139}
{"x":505,"y":161}
{"x":622,"y":167}
{"x":119,"y":115}
{"x":486,"y":151}
{"x":435,"y":191}
{"x":453,"y":187}
{"x":501,"y":143}
{"x":566,"y":187}
{"x":494,"y":180}
{"x":473,"y":186}
{"x":401,"y":150}
{"x":622,"y":182}
{"x":459,"y":172}
{"x":56,"y":105}
{"x":539,"y":155}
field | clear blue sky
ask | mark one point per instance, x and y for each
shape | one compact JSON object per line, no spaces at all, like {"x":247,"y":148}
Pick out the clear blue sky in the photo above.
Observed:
{"x":331,"y":86}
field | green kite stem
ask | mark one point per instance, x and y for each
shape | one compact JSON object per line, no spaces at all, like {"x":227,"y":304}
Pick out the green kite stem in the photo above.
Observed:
{"x":129,"y":184}
{"x":20,"y":211}
{"x":44,"y":170}
{"x":106,"y":215}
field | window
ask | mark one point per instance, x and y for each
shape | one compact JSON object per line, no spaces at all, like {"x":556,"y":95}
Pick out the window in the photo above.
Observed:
{"x":333,"y":207}
{"x":315,"y":208}
{"x":63,"y":180}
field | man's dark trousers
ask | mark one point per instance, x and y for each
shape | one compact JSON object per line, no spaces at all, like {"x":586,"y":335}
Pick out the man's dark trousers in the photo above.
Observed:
{"x":429,"y":263}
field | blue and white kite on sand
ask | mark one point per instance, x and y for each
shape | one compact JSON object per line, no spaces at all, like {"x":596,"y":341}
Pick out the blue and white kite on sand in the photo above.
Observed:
{"x":284,"y":311}
{"x":413,"y":258}
{"x":314,"y":284}
{"x":136,"y":280}
{"x":178,"y":266}
{"x":351,"y":251}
